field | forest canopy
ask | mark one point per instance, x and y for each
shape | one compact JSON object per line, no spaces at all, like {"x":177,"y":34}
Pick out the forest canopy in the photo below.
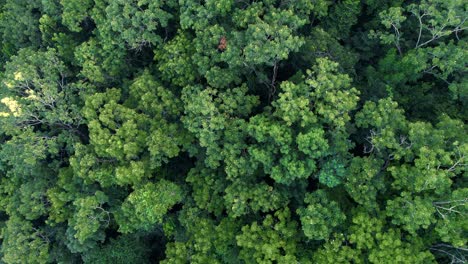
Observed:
{"x":233,"y":131}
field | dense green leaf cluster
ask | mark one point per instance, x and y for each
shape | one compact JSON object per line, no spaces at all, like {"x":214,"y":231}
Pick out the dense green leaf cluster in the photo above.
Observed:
{"x":233,"y":131}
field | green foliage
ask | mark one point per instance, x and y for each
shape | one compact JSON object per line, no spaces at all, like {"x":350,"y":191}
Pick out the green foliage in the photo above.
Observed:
{"x":86,"y":227}
{"x":368,"y":242}
{"x":19,"y":26}
{"x":341,"y":17}
{"x":332,"y":173}
{"x":208,"y":113}
{"x":272,"y":240}
{"x":208,"y":186}
{"x":36,"y":92}
{"x":23,"y":243}
{"x":124,"y":249}
{"x":451,"y":225}
{"x":99,"y":62}
{"x":321,"y":216}
{"x":288,"y":153}
{"x":174,"y":60}
{"x":136,"y":21}
{"x":426,"y":35}
{"x":367,"y":234}
{"x":335,"y":251}
{"x":323,"y":44}
{"x":203,"y":240}
{"x":332,"y":95}
{"x":411,"y":213}
{"x":146,"y":206}
{"x":260,"y":197}
{"x":138,"y":131}
{"x":363,"y":181}
{"x":137,"y":135}
{"x":74,"y":12}
{"x":436,"y":19}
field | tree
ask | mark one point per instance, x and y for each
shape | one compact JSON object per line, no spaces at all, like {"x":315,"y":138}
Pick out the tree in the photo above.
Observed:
{"x":88,"y":222}
{"x":202,"y":239}
{"x":137,"y":22}
{"x":128,"y":141}
{"x":75,"y":13}
{"x":417,"y":31}
{"x":321,"y":216}
{"x":368,"y":241}
{"x":292,"y":140}
{"x":149,"y":204}
{"x":19,"y":26}
{"x":274,"y":239}
{"x":24,"y":243}
{"x":37,"y":93}
{"x":124,"y":249}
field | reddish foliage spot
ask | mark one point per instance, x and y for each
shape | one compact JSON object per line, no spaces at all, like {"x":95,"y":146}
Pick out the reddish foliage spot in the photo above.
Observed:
{"x":222,"y":43}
